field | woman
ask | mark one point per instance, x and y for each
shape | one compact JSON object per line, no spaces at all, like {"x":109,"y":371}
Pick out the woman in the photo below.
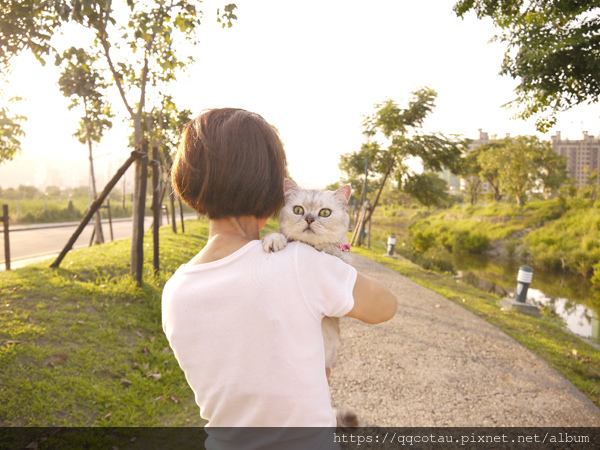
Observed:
{"x":244,"y":324}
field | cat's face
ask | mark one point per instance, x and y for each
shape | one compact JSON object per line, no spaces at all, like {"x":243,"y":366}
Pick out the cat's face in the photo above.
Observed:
{"x":315,"y":217}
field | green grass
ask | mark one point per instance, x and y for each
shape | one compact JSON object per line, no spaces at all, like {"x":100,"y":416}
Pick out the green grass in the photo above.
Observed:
{"x":575,"y":359}
{"x":558,"y":234}
{"x":496,"y":220}
{"x":83,"y":345}
{"x":572,"y":240}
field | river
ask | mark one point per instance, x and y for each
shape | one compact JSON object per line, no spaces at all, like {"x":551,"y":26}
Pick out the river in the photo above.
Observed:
{"x":571,"y":297}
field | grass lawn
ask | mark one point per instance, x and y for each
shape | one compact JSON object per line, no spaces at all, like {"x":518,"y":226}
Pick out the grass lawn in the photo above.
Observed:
{"x":575,"y":359}
{"x":83,"y":345}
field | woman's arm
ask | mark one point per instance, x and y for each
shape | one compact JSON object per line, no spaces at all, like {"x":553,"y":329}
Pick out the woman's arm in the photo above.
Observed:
{"x":373,"y":301}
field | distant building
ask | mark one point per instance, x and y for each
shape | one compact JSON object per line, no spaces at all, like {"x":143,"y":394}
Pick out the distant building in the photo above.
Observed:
{"x":452,"y":180}
{"x":580,"y":154}
{"x":52,"y":174}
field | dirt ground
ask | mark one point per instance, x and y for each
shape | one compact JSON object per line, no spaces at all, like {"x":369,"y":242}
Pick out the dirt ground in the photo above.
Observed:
{"x":436,"y":364}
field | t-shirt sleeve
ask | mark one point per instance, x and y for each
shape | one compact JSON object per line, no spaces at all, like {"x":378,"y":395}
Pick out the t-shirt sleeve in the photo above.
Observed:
{"x":326,"y":281}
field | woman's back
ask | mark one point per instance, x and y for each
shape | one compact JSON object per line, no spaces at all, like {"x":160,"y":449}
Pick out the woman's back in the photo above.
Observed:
{"x":246,"y":330}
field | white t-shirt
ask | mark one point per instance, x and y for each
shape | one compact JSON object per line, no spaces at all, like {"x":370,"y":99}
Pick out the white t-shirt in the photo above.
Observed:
{"x":246,"y":331}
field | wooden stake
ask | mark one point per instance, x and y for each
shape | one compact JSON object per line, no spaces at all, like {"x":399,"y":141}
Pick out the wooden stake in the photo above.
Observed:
{"x":112,"y":238}
{"x":6,"y":237}
{"x":94,"y":207}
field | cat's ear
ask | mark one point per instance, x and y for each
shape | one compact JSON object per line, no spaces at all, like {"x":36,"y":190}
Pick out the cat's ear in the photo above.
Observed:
{"x":343,"y":193}
{"x":289,"y":188}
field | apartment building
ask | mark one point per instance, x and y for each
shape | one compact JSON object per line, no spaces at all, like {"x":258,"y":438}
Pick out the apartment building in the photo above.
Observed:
{"x":580,"y":154}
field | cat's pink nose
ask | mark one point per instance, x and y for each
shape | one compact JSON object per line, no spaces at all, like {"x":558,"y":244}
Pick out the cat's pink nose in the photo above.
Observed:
{"x":309,"y":220}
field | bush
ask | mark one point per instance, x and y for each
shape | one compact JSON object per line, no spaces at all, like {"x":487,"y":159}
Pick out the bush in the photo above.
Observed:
{"x":422,"y":240}
{"x":437,"y":259}
{"x":596,"y":277}
{"x":547,"y":257}
{"x":446,"y":239}
{"x":589,"y":244}
{"x":583,"y":262}
{"x":53,"y":214}
{"x":511,"y":247}
{"x":470,"y":242}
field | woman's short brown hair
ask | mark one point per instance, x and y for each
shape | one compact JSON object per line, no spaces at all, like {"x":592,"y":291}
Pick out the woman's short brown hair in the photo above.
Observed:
{"x":230,"y":163}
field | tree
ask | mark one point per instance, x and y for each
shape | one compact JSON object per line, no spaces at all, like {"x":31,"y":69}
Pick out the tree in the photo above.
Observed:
{"x":28,"y":25}
{"x":552,"y":51}
{"x":486,"y":156}
{"x":469,"y":169}
{"x":552,"y":170}
{"x":143,"y":56}
{"x":591,"y":181}
{"x":521,"y":163}
{"x":428,"y":189}
{"x":137,"y":43}
{"x":400,"y":130}
{"x":11,"y":132}
{"x":80,"y":81}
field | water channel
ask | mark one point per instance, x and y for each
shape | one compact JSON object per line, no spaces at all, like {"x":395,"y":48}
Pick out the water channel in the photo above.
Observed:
{"x":571,"y":297}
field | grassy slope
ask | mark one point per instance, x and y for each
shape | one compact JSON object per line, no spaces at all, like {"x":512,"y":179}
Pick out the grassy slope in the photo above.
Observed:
{"x":89,"y":346}
{"x":578,"y":361}
{"x":481,"y":218}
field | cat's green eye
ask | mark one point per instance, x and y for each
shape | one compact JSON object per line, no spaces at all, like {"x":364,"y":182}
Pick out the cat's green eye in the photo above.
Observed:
{"x":299,"y":210}
{"x":325,"y":212}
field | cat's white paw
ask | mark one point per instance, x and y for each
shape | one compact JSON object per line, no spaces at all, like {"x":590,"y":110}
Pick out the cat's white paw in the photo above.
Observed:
{"x":274,"y":242}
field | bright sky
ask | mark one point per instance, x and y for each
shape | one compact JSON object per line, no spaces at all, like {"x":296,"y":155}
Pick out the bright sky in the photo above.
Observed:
{"x":313,"y":69}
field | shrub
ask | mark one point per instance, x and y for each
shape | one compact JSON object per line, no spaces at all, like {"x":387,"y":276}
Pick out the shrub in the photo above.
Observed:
{"x":422,"y":240}
{"x":53,"y":214}
{"x":511,"y":247}
{"x":589,"y":244}
{"x":470,"y":242}
{"x":546,"y":257}
{"x":596,"y":277}
{"x":437,"y":259}
{"x":446,"y":239}
{"x":583,"y":262}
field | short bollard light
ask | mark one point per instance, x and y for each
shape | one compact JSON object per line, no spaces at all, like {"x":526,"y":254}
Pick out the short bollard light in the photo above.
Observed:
{"x":519,"y":303}
{"x":523,"y":281}
{"x":391,"y":244}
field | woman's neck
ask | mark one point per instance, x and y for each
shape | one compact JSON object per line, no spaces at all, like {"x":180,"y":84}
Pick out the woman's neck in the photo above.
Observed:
{"x":226,"y":236}
{"x":238,"y":228}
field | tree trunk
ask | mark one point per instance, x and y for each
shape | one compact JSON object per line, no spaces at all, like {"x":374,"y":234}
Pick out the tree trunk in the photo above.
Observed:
{"x":155,"y":209}
{"x":139,"y":205}
{"x":385,"y":177}
{"x":520,"y":201}
{"x":97,"y":218}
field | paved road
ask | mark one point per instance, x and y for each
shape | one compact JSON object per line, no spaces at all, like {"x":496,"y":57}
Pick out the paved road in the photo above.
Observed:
{"x":29,"y":244}
{"x":436,"y":364}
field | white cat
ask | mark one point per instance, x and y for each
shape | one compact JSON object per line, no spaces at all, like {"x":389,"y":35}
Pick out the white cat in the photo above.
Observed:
{"x":317,"y":218}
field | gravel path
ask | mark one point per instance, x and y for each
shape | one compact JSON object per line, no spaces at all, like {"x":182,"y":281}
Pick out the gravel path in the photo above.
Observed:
{"x":437,"y":364}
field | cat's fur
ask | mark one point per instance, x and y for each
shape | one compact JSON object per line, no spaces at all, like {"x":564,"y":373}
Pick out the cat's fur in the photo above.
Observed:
{"x":325,"y":234}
